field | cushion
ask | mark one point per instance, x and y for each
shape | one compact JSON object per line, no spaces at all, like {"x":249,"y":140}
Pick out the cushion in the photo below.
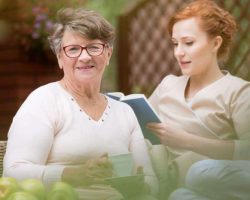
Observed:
{"x":3,"y":145}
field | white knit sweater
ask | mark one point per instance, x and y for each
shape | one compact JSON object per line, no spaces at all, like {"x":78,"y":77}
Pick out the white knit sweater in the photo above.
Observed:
{"x":50,"y":131}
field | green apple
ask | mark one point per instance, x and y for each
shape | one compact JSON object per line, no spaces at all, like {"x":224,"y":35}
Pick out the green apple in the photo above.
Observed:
{"x":8,"y":185}
{"x":35,"y":187}
{"x":62,"y":191}
{"x":21,"y":195}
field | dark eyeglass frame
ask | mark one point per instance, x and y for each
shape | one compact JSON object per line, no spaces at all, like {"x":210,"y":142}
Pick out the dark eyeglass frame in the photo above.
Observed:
{"x":86,"y":48}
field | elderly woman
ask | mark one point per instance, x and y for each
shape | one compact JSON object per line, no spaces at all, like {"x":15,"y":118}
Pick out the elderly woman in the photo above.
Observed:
{"x":65,"y":129}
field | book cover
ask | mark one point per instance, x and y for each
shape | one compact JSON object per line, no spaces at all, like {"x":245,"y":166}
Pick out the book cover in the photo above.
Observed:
{"x":144,"y":112}
{"x":123,"y":178}
{"x":126,"y":185}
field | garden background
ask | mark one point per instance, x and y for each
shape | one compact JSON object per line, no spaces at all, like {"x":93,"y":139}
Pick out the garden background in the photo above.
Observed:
{"x":142,"y":52}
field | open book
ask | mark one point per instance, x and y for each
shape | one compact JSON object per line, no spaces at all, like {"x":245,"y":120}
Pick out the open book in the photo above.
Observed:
{"x":144,"y":112}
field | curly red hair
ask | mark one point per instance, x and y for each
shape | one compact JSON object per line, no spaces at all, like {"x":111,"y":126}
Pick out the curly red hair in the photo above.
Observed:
{"x":214,"y":20}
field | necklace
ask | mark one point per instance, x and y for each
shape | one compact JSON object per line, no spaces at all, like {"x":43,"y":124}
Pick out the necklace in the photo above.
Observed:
{"x":84,"y":98}
{"x":93,"y":105}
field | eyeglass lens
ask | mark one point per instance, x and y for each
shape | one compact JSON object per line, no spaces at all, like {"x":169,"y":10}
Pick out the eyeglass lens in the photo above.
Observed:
{"x":74,"y":51}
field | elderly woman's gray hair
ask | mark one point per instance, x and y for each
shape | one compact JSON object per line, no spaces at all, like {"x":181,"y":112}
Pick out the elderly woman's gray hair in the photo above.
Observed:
{"x":88,"y":23}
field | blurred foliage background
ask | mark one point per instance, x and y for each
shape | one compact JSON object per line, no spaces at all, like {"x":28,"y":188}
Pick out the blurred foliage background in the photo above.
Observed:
{"x":110,"y":9}
{"x":35,"y":19}
{"x":31,"y":22}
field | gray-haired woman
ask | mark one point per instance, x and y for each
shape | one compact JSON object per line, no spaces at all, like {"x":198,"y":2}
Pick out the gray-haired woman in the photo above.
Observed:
{"x":64,"y":130}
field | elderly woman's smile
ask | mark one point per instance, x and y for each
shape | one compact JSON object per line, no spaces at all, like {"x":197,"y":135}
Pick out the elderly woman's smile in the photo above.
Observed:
{"x":85,"y":67}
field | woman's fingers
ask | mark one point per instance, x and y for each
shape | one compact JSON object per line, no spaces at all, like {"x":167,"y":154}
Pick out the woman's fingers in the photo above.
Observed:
{"x":157,"y":128}
{"x":99,"y":167}
{"x":155,"y":125}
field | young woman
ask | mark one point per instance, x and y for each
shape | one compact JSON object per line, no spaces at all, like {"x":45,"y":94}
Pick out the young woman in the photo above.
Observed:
{"x":205,"y":111}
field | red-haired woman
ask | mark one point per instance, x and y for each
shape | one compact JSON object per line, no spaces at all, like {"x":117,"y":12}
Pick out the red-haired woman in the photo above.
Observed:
{"x":205,"y":111}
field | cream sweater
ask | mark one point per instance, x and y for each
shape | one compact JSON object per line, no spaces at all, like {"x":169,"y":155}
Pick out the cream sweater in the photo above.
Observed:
{"x":50,"y":131}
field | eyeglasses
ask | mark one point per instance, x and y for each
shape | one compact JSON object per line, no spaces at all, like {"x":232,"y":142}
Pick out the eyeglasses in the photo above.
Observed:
{"x":74,"y":51}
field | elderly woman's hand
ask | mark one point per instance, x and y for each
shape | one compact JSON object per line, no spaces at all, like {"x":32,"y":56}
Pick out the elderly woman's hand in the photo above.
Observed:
{"x":91,"y":172}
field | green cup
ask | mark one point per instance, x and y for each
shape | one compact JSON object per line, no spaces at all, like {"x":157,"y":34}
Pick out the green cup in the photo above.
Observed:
{"x":123,"y":164}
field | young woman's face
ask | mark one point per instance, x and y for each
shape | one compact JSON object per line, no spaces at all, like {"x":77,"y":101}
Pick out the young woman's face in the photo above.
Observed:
{"x":84,"y":68}
{"x":193,"y":49}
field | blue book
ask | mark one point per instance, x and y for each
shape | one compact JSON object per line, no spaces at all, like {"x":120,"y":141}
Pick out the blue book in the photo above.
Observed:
{"x":144,"y":112}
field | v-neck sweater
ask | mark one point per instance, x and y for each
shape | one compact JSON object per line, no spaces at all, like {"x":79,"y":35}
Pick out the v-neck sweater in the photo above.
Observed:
{"x":50,"y":131}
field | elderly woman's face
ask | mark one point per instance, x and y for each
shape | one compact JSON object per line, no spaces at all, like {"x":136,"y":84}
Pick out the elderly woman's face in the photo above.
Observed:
{"x":79,"y":64}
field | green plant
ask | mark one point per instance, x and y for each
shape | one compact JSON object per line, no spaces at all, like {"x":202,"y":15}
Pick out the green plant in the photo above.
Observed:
{"x":35,"y":21}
